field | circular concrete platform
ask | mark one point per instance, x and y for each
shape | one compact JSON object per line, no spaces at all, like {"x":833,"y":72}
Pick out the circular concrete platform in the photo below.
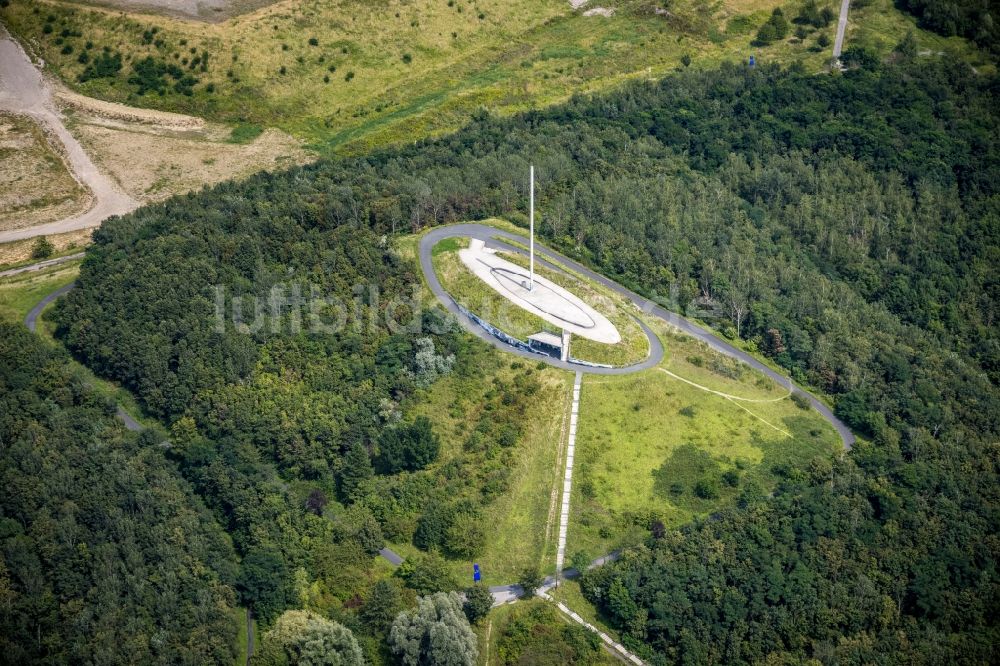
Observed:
{"x":549,"y":301}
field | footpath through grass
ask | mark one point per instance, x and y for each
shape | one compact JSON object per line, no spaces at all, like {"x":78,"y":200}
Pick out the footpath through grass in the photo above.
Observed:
{"x":653,"y":447}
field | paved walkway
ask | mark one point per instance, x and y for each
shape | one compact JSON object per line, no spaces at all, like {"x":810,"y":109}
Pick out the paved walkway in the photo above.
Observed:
{"x":568,"y":479}
{"x":31,"y":321}
{"x":611,"y":643}
{"x":48,"y":263}
{"x":838,"y":43}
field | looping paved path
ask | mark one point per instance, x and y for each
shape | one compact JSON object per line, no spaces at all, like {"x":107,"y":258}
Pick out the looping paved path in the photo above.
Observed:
{"x":487,"y":233}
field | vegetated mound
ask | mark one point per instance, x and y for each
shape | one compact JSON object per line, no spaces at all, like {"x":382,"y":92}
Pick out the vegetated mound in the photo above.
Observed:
{"x":843,"y":225}
{"x":105,"y":553}
{"x":191,"y":302}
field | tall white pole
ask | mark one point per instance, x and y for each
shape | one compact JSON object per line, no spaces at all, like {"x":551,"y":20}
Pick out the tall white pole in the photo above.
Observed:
{"x":531,"y":234}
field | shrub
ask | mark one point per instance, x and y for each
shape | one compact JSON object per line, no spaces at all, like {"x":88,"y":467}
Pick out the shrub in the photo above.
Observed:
{"x":437,"y":632}
{"x":530,"y":581}
{"x":42,"y":249}
{"x":706,"y":489}
{"x":478,"y":602}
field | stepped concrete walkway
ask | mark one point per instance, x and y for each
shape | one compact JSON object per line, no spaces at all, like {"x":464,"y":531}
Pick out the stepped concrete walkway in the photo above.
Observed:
{"x":568,"y":478}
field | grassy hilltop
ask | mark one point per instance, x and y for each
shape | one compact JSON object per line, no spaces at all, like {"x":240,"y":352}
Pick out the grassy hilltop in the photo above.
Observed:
{"x":352,"y":75}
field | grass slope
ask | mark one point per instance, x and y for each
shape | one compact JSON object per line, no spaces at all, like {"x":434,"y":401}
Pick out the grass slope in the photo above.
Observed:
{"x":517,"y":537}
{"x":651,"y":446}
{"x":352,"y":75}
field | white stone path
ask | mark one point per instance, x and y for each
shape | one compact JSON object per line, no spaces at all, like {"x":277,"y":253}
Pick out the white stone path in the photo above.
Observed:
{"x":543,"y":592}
{"x":568,"y":479}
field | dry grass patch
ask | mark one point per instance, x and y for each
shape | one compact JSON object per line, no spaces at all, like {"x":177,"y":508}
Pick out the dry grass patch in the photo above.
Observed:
{"x":19,"y":251}
{"x":152,"y":164}
{"x":35,"y":183}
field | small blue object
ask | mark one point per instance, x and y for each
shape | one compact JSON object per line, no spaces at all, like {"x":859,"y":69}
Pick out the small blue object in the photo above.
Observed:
{"x":752,"y":61}
{"x":475,"y":573}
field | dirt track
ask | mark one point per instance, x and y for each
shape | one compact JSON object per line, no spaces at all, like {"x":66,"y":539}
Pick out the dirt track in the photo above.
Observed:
{"x":24,"y":90}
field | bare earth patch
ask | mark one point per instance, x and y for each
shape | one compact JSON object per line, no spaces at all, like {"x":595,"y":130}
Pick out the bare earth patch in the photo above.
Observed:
{"x":35,"y":184}
{"x":153,"y":155}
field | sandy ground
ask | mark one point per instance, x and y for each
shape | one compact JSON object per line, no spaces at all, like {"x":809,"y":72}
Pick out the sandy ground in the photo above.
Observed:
{"x":121,"y":156}
{"x":152,"y":163}
{"x":35,"y":183}
{"x":23,"y":90}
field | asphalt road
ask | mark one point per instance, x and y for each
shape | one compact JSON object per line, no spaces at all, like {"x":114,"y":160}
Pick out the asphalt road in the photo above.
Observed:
{"x":31,"y":321}
{"x":23,"y":90}
{"x":485,"y":233}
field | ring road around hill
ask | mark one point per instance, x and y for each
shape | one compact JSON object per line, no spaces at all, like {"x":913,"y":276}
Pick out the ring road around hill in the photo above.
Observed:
{"x":496,"y":238}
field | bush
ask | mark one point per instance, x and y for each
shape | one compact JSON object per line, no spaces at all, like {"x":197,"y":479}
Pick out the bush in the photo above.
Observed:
{"x":105,"y":65}
{"x":437,"y":632}
{"x":42,"y":249}
{"x":775,"y":29}
{"x":706,"y":489}
{"x":407,"y":58}
{"x":408,"y":447}
{"x":478,"y":602}
{"x":302,"y":637}
{"x":530,"y":581}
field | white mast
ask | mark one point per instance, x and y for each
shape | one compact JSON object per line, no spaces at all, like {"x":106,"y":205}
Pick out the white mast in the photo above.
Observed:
{"x":531,"y":235}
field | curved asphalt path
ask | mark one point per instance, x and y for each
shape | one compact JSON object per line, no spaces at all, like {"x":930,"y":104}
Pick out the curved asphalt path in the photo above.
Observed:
{"x":31,"y":321}
{"x":489,"y":234}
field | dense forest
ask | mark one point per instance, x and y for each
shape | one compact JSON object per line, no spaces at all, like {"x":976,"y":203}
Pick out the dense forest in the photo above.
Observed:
{"x":845,"y":225}
{"x":973,"y":19}
{"x":106,"y":555}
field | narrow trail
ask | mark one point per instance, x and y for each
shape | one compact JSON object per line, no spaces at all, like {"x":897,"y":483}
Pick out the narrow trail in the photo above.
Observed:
{"x":24,"y":90}
{"x":760,"y":418}
{"x":48,"y":263}
{"x":838,"y":43}
{"x":727,"y":396}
